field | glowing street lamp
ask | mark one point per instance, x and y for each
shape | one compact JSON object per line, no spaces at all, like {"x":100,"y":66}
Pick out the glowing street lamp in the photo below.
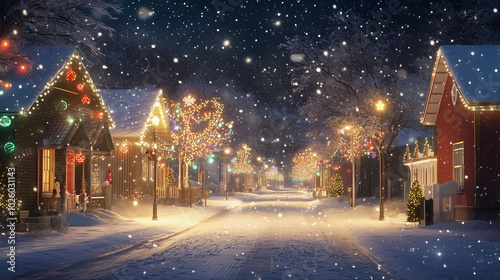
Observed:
{"x":380,"y":105}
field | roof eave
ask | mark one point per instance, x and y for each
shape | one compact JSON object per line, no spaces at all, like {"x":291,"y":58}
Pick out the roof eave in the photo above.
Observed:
{"x":435,"y":92}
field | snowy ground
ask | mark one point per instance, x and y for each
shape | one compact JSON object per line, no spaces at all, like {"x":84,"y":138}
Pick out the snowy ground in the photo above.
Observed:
{"x":268,"y":235}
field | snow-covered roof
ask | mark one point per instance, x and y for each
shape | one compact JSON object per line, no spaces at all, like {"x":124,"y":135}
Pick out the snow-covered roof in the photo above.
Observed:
{"x":25,"y":88}
{"x":475,"y":70}
{"x":130,"y":109}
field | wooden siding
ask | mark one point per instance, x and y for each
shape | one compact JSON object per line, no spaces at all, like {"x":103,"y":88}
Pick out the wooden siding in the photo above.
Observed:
{"x":128,"y":172}
{"x":488,"y":155}
{"x":30,"y":128}
{"x":126,"y":167}
{"x":455,"y":124}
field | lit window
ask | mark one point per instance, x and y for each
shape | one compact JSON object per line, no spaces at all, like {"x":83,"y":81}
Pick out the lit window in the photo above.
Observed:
{"x":48,"y":166}
{"x":458,"y":164}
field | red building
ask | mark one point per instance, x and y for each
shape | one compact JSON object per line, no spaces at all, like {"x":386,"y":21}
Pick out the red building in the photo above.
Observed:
{"x":463,"y":102}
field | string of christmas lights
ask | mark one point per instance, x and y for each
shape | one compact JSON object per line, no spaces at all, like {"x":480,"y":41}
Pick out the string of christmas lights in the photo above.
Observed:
{"x":352,"y":145}
{"x":242,"y":164}
{"x":305,"y":163}
{"x":198,"y":128}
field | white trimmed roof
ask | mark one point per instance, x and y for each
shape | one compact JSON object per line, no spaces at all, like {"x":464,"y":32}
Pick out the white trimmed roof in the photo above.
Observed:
{"x":476,"y":72}
{"x":130,"y":109}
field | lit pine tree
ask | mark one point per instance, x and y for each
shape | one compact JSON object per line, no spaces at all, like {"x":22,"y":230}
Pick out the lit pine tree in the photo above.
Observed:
{"x":413,"y":206}
{"x":336,"y":187}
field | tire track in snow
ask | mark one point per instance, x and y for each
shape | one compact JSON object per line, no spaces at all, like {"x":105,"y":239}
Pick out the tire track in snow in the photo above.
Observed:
{"x":105,"y":263}
{"x":260,"y":260}
{"x":354,"y":253}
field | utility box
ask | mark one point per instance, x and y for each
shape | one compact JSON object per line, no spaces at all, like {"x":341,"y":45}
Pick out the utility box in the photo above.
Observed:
{"x":107,"y":197}
{"x":426,"y":212}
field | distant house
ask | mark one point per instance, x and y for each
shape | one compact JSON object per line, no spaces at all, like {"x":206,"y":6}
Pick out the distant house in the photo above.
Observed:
{"x":463,"y":102}
{"x":53,"y":124}
{"x":423,"y":165}
{"x":141,"y":128}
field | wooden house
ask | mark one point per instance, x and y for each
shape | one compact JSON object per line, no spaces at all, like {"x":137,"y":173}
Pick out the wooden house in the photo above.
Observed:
{"x":141,"y":129}
{"x":53,"y":124}
{"x":463,"y":102}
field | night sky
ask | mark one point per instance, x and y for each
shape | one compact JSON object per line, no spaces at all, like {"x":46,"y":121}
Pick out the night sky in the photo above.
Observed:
{"x":165,"y":42}
{"x":241,"y":42}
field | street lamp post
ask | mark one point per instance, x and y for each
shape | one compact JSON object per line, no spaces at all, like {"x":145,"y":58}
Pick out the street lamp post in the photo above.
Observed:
{"x":349,"y":133}
{"x":201,"y":179}
{"x":380,"y":108}
{"x":226,"y":172}
{"x":155,"y":120}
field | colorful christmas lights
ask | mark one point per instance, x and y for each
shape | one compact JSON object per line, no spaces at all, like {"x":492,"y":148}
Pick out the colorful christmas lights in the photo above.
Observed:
{"x":70,"y":74}
{"x":80,"y":157}
{"x":242,"y":164}
{"x":198,"y":128}
{"x":9,"y":147}
{"x":85,"y":100}
{"x":70,"y":158}
{"x":5,"y":121}
{"x":124,"y":148}
{"x":305,"y":163}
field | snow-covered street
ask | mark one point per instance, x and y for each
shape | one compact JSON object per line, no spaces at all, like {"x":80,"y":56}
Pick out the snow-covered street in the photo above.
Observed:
{"x":283,"y":234}
{"x":272,"y":235}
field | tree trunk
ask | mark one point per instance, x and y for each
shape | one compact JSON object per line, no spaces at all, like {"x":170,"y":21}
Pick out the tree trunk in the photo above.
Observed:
{"x":358,"y":175}
{"x":383,"y":181}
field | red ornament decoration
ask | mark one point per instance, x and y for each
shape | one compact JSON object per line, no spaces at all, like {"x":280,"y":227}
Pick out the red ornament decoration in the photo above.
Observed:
{"x":100,"y":115}
{"x":79,"y":87}
{"x":124,"y":149}
{"x":70,"y":158}
{"x":71,"y":75}
{"x":80,"y":157}
{"x":150,"y":155}
{"x":85,"y":100}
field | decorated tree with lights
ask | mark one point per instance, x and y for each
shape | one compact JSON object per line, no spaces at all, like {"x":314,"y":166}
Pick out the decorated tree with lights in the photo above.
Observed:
{"x":335,"y":186}
{"x":356,"y":75}
{"x":242,"y":166}
{"x":413,"y":205}
{"x":197,"y":129}
{"x":305,"y":163}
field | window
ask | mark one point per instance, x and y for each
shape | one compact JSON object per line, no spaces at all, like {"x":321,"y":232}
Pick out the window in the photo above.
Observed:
{"x":458,"y":164}
{"x":48,"y":167}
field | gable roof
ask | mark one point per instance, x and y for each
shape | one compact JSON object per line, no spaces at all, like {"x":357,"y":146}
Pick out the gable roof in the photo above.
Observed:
{"x":130,"y":109}
{"x":24,"y":88}
{"x":476,"y":72}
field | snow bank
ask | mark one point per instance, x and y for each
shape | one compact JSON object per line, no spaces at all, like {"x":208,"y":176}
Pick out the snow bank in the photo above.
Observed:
{"x":82,"y":220}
